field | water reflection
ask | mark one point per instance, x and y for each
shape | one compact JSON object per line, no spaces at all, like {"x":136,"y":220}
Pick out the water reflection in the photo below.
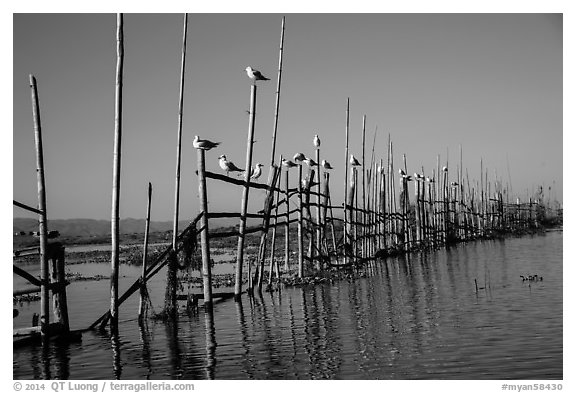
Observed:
{"x":409,"y":317}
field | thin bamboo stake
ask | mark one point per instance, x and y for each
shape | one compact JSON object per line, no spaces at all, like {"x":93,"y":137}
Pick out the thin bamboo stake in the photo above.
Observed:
{"x":143,"y":291}
{"x":345,"y":228}
{"x":318,"y":210}
{"x":277,"y":105}
{"x":300,"y":234}
{"x":287,"y":225}
{"x":170,"y":300}
{"x":245,"y":193}
{"x":204,"y":238}
{"x":273,"y":262}
{"x":115,"y":229}
{"x":363,"y":215}
{"x":42,"y":217}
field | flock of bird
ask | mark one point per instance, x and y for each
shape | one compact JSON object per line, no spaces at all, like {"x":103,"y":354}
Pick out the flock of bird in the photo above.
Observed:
{"x":299,"y":158}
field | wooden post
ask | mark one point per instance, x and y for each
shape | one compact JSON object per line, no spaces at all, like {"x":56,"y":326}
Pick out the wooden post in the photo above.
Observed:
{"x":325,"y":193}
{"x":245,"y":193}
{"x":300,"y":234}
{"x":363,"y":215}
{"x":115,"y":230}
{"x":345,"y":227}
{"x":273,"y":262}
{"x":42,"y":217}
{"x":287,"y":225}
{"x":318,"y":210}
{"x":272,"y":177}
{"x":349,"y":212}
{"x":145,"y":256}
{"x":171,"y":297}
{"x":204,"y":235}
{"x":60,"y":302}
{"x":277,"y":106}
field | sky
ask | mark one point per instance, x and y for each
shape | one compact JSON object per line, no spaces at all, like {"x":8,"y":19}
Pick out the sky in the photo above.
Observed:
{"x":491,"y":83}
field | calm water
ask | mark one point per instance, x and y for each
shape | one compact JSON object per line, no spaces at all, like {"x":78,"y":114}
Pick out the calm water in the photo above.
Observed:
{"x":416,"y":317}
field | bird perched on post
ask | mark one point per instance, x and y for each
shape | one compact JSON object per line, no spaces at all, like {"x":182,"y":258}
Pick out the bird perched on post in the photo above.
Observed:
{"x":316,"y":141}
{"x":326,"y":165}
{"x":299,"y":157}
{"x":310,"y":162}
{"x":255,"y":74}
{"x":203,"y":144}
{"x":418,"y":177}
{"x":404,"y":176}
{"x":287,"y":163}
{"x":228,"y":166}
{"x":257,"y":171}
{"x":354,"y":161}
{"x":445,"y":168}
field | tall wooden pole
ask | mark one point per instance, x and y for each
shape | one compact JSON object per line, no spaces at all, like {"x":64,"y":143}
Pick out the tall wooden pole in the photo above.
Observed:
{"x":345,"y":228}
{"x":115,"y":230}
{"x":278,"y":83}
{"x":204,"y":236}
{"x":42,"y":220}
{"x":318,"y":209}
{"x":300,"y":229}
{"x":170,"y":301}
{"x":363,"y":215}
{"x":145,"y":256}
{"x":245,"y":193}
{"x":287,"y":225}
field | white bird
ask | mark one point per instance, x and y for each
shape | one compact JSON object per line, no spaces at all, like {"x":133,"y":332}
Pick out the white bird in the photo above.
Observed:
{"x":445,"y":169}
{"x":430,"y":180}
{"x":228,"y":166}
{"x":299,"y":157}
{"x":255,"y":74}
{"x":316,"y":141}
{"x":454,"y":184}
{"x":257,"y":171}
{"x":354,"y":161}
{"x":401,"y":172}
{"x":287,"y":163}
{"x":326,"y":165}
{"x":418,"y":176}
{"x":381,"y":169}
{"x":310,"y":162}
{"x":203,"y":144}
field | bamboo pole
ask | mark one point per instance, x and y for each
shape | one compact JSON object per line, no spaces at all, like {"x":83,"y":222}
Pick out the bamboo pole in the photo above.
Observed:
{"x":145,"y":256}
{"x":115,"y":230}
{"x":42,"y":217}
{"x":272,"y":177}
{"x":287,"y":225}
{"x":273,"y":262}
{"x":277,"y":105}
{"x":204,"y":237}
{"x":57,"y":256}
{"x":170,"y":300}
{"x":245,"y":193}
{"x":300,"y":234}
{"x":363,"y":215}
{"x":318,"y":209}
{"x":345,"y":228}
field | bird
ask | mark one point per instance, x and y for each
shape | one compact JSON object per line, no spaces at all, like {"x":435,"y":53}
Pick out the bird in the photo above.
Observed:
{"x":287,"y":163}
{"x":445,"y":168}
{"x":299,"y":157}
{"x":255,"y":74}
{"x":203,"y":144}
{"x":381,"y":169}
{"x":310,"y":162}
{"x":228,"y":166}
{"x":430,"y":179}
{"x":454,"y":184}
{"x":401,"y":172}
{"x":316,"y":141}
{"x":326,"y":165}
{"x":257,"y":171}
{"x":418,"y":177}
{"x":354,"y":161}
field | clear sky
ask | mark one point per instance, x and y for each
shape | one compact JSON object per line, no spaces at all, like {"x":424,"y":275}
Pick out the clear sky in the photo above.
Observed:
{"x":489,"y":82}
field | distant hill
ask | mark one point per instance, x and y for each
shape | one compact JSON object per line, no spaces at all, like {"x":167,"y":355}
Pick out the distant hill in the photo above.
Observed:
{"x":89,"y":227}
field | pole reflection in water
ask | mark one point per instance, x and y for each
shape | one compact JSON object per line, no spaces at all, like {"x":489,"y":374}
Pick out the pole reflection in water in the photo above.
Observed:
{"x":116,"y":360}
{"x":145,"y":339}
{"x":62,"y":360}
{"x":210,"y":342}
{"x":246,"y":359}
{"x":174,"y":348}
